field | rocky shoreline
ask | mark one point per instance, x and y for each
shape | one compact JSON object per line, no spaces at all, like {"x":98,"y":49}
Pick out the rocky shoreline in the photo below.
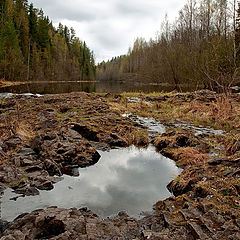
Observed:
{"x":43,"y":138}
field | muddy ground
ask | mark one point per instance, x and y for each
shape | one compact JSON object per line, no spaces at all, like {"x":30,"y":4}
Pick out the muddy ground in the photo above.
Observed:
{"x":42,"y":138}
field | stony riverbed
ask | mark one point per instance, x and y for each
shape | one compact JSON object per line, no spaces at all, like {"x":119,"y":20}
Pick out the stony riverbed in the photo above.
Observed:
{"x":44,"y":138}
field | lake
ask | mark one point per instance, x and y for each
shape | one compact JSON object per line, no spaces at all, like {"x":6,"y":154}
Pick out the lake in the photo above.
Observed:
{"x":99,"y":87}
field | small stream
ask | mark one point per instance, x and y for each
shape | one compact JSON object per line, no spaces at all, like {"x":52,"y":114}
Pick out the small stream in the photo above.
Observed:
{"x":153,"y":126}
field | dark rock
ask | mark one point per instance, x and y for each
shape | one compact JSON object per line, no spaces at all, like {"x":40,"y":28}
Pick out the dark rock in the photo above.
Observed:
{"x":183,"y":141}
{"x":179,"y":188}
{"x":36,"y":144}
{"x":225,"y":162}
{"x":217,"y":219}
{"x":64,"y":109}
{"x":201,"y":192}
{"x":197,"y":231}
{"x":25,"y":157}
{"x":42,"y":184}
{"x":50,"y":227}
{"x":26,"y":152}
{"x":166,"y":216}
{"x":13,"y":142}
{"x":86,"y":132}
{"x":49,"y":136}
{"x":28,"y":191}
{"x":34,"y":168}
{"x":3,"y":226}
{"x":60,"y":224}
{"x":9,"y":174}
{"x":66,"y":148}
{"x":123,"y":214}
{"x":20,"y":184}
{"x":86,"y":162}
{"x":71,"y":170}
{"x":2,"y":188}
{"x":26,"y":162}
{"x":48,"y":119}
{"x":52,"y":167}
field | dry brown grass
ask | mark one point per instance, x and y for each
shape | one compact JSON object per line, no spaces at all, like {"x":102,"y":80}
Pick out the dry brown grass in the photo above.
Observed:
{"x":141,"y":138}
{"x":25,"y":130}
{"x":219,"y":114}
{"x":164,"y":141}
{"x":189,"y":155}
{"x":221,"y":109}
{"x":232,"y":144}
{"x":184,"y":156}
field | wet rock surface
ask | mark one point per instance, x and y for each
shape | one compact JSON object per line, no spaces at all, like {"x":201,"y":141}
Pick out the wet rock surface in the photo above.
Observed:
{"x":63,"y":133}
{"x":172,"y":218}
{"x":55,"y":223}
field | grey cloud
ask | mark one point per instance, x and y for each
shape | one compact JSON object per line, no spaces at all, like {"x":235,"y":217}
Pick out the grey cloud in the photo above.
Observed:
{"x":63,"y":10}
{"x":110,"y":26}
{"x":137,"y":9}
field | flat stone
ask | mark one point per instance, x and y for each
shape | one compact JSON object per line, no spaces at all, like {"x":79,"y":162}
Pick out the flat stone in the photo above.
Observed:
{"x":196,"y":231}
{"x":42,"y":184}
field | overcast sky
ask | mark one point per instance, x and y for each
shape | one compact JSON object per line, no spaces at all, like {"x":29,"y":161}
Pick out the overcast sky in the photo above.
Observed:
{"x":109,"y":27}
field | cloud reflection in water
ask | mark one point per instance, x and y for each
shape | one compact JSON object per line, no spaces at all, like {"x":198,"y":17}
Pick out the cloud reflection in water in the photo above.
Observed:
{"x":128,"y":179}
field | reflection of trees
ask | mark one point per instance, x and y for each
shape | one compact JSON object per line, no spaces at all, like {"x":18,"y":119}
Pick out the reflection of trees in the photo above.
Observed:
{"x":52,"y":88}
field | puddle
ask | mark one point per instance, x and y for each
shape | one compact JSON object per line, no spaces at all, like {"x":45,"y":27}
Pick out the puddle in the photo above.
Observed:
{"x":128,"y":179}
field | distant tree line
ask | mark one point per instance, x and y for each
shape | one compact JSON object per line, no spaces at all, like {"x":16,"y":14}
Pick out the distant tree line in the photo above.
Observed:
{"x":202,"y":47}
{"x":31,"y":48}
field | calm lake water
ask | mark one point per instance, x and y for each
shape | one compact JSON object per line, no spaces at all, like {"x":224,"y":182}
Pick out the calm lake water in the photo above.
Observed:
{"x":100,"y":87}
{"x":129,"y":179}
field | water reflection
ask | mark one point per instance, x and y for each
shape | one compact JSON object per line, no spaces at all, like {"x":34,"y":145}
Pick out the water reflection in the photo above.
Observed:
{"x":67,"y":87}
{"x":52,"y":87}
{"x":124,"y":179}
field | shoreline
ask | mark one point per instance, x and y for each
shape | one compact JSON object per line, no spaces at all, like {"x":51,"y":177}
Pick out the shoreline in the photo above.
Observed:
{"x":4,"y":83}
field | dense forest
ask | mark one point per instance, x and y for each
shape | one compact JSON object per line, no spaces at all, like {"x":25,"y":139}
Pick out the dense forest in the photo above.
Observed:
{"x":31,"y":48}
{"x":201,"y":47}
